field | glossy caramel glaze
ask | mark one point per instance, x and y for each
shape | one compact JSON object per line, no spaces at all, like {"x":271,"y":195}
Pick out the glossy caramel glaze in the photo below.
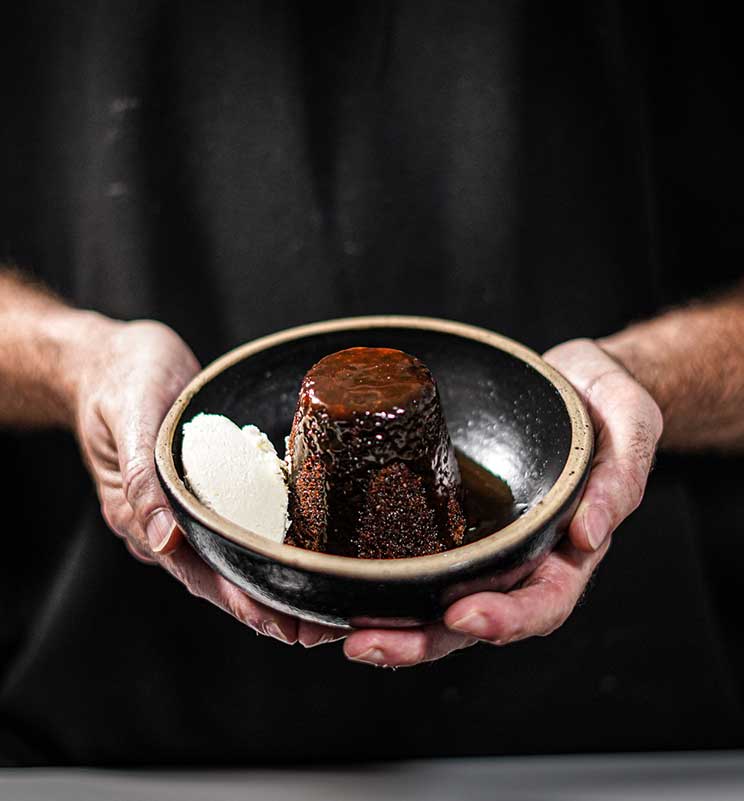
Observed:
{"x":364,"y":381}
{"x":373,"y":471}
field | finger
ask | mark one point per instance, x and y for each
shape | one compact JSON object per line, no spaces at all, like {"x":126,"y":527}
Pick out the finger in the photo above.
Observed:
{"x":202,"y":582}
{"x":613,"y":492}
{"x":628,"y":425}
{"x":404,"y":647}
{"x":539,"y":607}
{"x":312,"y":634}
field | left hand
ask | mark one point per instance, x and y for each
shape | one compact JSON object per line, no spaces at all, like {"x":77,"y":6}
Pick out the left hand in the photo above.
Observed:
{"x":628,"y":425}
{"x":124,"y":387}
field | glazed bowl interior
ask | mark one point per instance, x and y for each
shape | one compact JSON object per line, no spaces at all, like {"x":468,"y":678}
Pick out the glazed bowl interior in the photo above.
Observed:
{"x":500,"y":411}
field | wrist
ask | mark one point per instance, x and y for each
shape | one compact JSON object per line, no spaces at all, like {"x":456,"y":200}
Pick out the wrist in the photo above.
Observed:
{"x":75,"y":339}
{"x":632,"y":353}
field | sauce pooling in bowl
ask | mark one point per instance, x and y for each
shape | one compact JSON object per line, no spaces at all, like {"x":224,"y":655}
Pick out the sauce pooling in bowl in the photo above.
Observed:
{"x":488,"y":502}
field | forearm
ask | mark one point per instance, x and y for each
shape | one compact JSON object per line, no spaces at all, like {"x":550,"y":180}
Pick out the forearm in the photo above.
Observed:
{"x":691,"y":360}
{"x":42,"y":344}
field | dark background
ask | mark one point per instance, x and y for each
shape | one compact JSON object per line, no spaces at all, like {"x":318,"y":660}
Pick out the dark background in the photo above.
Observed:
{"x":620,"y":178}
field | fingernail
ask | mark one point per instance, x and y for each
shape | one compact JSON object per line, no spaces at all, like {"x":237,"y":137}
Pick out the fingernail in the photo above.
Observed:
{"x":325,"y":639}
{"x":596,"y":525}
{"x":328,"y":638}
{"x":273,"y":630}
{"x":372,"y":656}
{"x":316,"y":639}
{"x":160,"y":529}
{"x":474,"y":623}
{"x":171,"y":542}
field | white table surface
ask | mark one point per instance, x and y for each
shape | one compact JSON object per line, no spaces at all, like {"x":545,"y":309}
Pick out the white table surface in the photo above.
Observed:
{"x":702,"y":776}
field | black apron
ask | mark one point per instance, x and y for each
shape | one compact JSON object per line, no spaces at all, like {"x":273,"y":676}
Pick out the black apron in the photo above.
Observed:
{"x":233,"y":168}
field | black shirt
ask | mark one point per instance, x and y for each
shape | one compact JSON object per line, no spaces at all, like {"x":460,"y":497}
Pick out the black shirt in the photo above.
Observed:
{"x":232,"y":168}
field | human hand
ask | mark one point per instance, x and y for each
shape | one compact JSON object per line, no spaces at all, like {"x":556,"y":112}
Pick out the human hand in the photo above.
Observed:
{"x":628,"y":425}
{"x":125,"y":385}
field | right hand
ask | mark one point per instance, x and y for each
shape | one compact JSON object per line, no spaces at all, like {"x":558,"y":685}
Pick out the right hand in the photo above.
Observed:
{"x":123,"y":390}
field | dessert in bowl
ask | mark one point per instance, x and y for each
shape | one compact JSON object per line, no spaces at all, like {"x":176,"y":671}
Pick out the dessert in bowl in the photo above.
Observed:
{"x":372,"y":471}
{"x":512,"y":419}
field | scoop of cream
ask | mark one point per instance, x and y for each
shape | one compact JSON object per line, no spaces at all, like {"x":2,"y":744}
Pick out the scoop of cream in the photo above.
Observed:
{"x":237,"y":473}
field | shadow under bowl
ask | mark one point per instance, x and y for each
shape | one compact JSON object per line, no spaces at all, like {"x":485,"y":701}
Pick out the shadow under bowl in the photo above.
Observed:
{"x":506,"y":409}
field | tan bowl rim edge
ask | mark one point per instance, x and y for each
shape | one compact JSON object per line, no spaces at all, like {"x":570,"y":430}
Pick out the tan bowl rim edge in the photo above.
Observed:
{"x":580,"y":452}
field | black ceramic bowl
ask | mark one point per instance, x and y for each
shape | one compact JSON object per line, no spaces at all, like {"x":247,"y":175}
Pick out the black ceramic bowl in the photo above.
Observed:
{"x":505,"y":408}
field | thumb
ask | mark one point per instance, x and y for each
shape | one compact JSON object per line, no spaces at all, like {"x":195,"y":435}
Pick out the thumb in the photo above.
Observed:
{"x":141,"y":486}
{"x":628,"y":425}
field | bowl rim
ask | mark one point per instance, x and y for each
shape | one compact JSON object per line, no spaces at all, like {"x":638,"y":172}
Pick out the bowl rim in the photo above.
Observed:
{"x":553,"y":502}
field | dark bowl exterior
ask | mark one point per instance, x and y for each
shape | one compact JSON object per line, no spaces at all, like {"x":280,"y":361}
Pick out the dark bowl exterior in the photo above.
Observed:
{"x":345,"y":601}
{"x":505,"y":409}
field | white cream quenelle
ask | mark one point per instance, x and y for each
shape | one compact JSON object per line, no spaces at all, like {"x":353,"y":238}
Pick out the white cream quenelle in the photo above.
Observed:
{"x":236,"y":473}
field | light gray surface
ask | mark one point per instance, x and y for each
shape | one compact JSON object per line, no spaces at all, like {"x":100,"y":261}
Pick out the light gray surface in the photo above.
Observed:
{"x":683,"y":777}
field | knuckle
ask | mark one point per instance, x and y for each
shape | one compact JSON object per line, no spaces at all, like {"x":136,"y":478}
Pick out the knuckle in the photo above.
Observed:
{"x":135,"y":477}
{"x":112,"y":519}
{"x":192,"y":589}
{"x":418,"y":652}
{"x":504,"y":633}
{"x":118,"y":518}
{"x":569,"y":348}
{"x":138,"y":481}
{"x":165,"y":349}
{"x":579,"y":344}
{"x":558,"y":605}
{"x":194,"y":586}
{"x":138,"y":552}
{"x":150,"y":328}
{"x":516,"y":630}
{"x":232,"y":607}
{"x":513,"y":633}
{"x":604,"y":385}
